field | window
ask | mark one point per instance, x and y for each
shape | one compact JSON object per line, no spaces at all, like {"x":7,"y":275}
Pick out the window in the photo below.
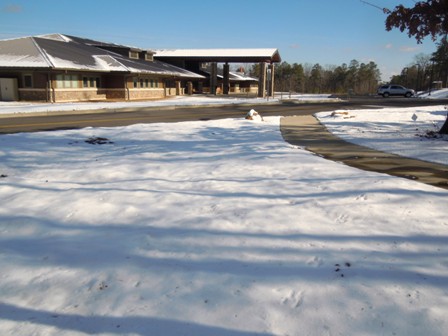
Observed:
{"x":145,"y":83}
{"x":149,"y":57}
{"x":66,"y":81}
{"x":91,"y":82}
{"x":133,"y":54}
{"x":28,"y":81}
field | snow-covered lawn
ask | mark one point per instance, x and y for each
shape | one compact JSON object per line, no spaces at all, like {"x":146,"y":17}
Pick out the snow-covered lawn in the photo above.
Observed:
{"x":408,"y":132}
{"x":435,"y":94}
{"x":214,"y":228}
{"x":24,"y":107}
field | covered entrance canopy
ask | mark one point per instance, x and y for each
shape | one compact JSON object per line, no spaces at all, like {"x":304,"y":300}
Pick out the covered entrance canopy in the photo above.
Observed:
{"x":193,"y":59}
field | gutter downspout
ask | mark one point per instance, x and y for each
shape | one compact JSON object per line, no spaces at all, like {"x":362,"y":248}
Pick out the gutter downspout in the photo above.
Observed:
{"x":126,"y":88}
{"x":51,"y":95}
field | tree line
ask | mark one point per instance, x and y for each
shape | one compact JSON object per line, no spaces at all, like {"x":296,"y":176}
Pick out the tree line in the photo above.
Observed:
{"x":427,"y":71}
{"x":425,"y":18}
{"x":355,"y":77}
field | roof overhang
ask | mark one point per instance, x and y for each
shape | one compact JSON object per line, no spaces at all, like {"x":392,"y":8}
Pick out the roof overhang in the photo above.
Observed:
{"x":221,"y":55}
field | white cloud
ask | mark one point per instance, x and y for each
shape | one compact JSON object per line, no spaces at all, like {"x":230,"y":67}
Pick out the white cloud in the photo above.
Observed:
{"x":408,"y":49}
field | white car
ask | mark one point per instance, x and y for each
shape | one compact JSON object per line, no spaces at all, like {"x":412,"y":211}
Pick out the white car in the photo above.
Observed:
{"x":395,"y":90}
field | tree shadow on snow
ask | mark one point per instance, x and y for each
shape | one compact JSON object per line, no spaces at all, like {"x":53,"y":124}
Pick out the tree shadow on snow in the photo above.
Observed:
{"x":115,"y":325}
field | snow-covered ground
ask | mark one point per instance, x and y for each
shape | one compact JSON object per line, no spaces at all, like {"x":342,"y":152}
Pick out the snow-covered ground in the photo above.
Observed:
{"x":408,"y":132}
{"x":23,"y":107}
{"x":435,"y":94}
{"x":216,"y":228}
{"x":32,"y":107}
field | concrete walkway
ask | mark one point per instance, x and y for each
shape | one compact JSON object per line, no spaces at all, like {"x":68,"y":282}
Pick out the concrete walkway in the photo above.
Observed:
{"x":309,"y":133}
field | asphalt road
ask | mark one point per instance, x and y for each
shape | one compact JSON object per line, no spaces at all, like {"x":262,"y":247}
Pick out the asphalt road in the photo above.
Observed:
{"x":123,"y":117}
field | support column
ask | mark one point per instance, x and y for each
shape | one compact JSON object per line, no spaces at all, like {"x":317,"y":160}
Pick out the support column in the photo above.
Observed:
{"x":226,"y":81}
{"x":189,"y":88}
{"x":127,"y":95}
{"x":271,"y":86}
{"x":262,"y":80}
{"x":50,"y":89}
{"x":213,"y":78}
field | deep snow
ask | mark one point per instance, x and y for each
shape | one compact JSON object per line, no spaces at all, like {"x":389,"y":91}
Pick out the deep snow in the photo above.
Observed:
{"x":215,"y":228}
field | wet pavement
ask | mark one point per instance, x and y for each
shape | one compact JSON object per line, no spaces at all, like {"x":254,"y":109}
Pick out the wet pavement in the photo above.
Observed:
{"x":307,"y":132}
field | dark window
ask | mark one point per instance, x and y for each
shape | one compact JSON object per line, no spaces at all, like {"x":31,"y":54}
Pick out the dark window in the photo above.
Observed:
{"x":28,"y":81}
{"x":91,"y":82}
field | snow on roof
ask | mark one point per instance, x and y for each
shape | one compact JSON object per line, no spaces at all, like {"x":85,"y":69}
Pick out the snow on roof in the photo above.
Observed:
{"x":101,"y":44}
{"x":108,"y":62}
{"x":56,"y":37}
{"x":269,"y":52}
{"x":22,"y":52}
{"x":238,"y":76}
{"x":63,"y":52}
{"x":222,"y":55}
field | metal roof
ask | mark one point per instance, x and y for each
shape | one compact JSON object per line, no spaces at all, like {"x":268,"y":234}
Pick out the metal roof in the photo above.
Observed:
{"x":62,"y":52}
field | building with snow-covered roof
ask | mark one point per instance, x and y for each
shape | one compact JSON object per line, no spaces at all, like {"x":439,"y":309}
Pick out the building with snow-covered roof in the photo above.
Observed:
{"x":59,"y":67}
{"x":194,"y":60}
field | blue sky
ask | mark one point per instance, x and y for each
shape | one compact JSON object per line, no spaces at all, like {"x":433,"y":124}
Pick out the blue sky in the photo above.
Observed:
{"x":328,"y":32}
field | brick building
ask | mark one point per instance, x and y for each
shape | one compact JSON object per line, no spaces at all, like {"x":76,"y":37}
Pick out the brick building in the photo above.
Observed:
{"x":59,"y":68}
